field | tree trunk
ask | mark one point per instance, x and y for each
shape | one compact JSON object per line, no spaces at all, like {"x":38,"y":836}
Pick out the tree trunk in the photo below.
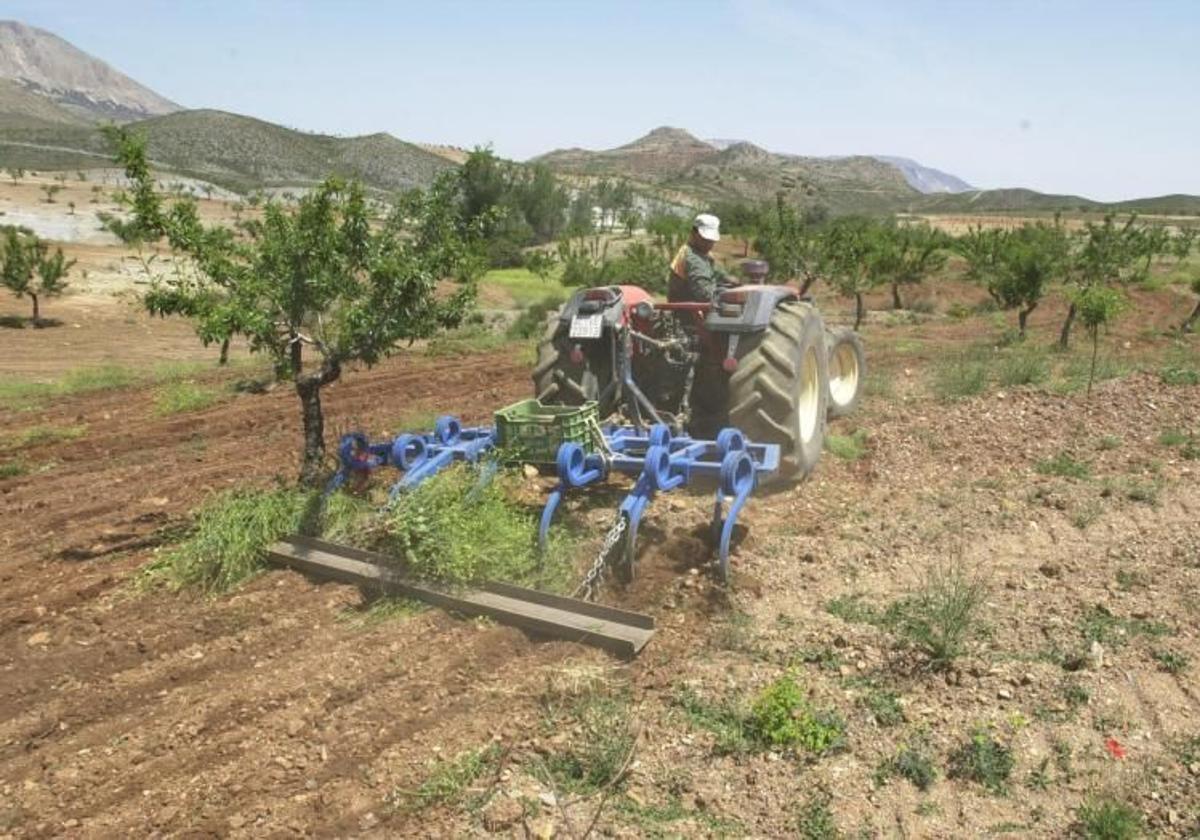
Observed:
{"x":896,"y":302}
{"x":1191,"y":319}
{"x":746,"y":247}
{"x":807,"y":283}
{"x":1095,"y":348}
{"x":1022,"y":318}
{"x":37,"y":318}
{"x":1064,"y":337}
{"x":308,"y":388}
{"x":860,"y":310}
{"x":224,"y":359}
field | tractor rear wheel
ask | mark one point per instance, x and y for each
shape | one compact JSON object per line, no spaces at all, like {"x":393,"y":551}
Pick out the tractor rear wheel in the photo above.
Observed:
{"x":847,"y":371}
{"x":779,"y":390}
{"x":559,"y":381}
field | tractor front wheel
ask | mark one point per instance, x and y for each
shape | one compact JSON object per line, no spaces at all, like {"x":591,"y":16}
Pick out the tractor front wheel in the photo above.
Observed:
{"x":780,"y":389}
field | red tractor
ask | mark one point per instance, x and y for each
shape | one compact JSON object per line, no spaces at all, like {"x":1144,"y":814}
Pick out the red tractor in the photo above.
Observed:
{"x":758,"y":358}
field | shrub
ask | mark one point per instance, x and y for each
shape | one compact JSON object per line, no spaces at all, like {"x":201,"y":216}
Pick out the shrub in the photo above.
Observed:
{"x":1027,"y":366}
{"x":847,"y":447}
{"x":781,"y":717}
{"x":911,"y":763}
{"x":984,"y":760}
{"x":532,"y":320}
{"x":814,"y":820}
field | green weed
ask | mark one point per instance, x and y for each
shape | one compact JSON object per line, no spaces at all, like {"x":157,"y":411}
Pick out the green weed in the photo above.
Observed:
{"x":448,"y":781}
{"x":178,"y":397}
{"x":531,"y":323}
{"x":847,"y":447}
{"x":461,"y":526}
{"x":13,"y":469}
{"x":41,"y":435}
{"x":231,"y":532}
{"x":814,"y":819}
{"x":1173,"y":437}
{"x":597,"y":754}
{"x":1026,"y":366}
{"x":884,"y":706}
{"x":1171,"y":661}
{"x":1109,"y":819}
{"x":913,"y":763}
{"x":984,"y":760}
{"x":1065,"y":466}
{"x":965,"y":375}
{"x":466,"y":340}
{"x":1100,"y":625}
{"x":1179,"y":375}
{"x":523,"y":286}
{"x":1108,"y":443}
{"x":851,"y":609}
{"x":381,"y":611}
{"x":940,"y":617}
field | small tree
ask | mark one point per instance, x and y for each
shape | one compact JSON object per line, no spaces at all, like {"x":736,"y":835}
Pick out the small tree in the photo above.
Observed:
{"x":1111,"y":255}
{"x":1097,"y":306}
{"x":852,"y":248}
{"x":51,"y":190}
{"x":906,"y":255}
{"x":16,"y":173}
{"x":27,"y":267}
{"x":1029,"y":258}
{"x":315,"y":286}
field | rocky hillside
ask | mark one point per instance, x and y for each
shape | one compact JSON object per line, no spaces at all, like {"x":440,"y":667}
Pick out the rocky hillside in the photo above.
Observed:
{"x":46,"y":66}
{"x":926,"y":179}
{"x":674,"y":160}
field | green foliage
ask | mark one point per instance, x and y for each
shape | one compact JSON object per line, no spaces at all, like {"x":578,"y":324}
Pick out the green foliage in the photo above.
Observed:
{"x":226,"y":544}
{"x":1171,"y":661}
{"x":911,"y":762}
{"x":1098,"y":624}
{"x":178,"y":397}
{"x":460,"y":527}
{"x":1016,"y":266}
{"x":466,"y":340}
{"x":814,"y":820}
{"x":960,"y":376}
{"x":884,"y":706}
{"x":13,"y":469}
{"x":904,"y":255}
{"x":531,"y":323}
{"x":448,"y":781}
{"x":847,"y":447}
{"x":320,"y":277}
{"x":941,"y":616}
{"x":984,"y":760}
{"x":1064,"y":465}
{"x":793,"y":244}
{"x":1026,"y":365}
{"x":28,"y":268}
{"x":1109,"y":819}
{"x":781,"y":717}
{"x":1176,"y":374}
{"x":40,"y":435}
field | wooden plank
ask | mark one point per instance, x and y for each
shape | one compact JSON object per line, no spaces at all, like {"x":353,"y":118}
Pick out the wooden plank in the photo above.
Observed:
{"x":620,"y":631}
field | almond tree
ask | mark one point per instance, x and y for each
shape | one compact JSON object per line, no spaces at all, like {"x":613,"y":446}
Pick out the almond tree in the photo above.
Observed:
{"x":1111,"y":254}
{"x":28,"y":268}
{"x":907,"y":254}
{"x":851,"y":248}
{"x":314,"y":286}
{"x":1028,"y":259}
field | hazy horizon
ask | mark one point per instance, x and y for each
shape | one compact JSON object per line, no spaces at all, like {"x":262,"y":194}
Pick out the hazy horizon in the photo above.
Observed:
{"x":1094,"y":99}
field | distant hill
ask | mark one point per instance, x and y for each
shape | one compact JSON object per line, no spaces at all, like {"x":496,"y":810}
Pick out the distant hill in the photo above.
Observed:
{"x":672,"y":159}
{"x":49,"y":67}
{"x":926,"y":179}
{"x":232,"y":151}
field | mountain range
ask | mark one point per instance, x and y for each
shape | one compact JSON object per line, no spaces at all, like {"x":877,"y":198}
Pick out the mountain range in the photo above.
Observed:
{"x":54,"y":96}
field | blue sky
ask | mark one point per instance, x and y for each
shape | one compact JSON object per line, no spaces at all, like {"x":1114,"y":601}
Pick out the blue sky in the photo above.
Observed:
{"x":1095,"y":98}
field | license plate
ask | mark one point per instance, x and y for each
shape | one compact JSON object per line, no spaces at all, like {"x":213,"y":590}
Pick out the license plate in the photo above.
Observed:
{"x":587,"y":326}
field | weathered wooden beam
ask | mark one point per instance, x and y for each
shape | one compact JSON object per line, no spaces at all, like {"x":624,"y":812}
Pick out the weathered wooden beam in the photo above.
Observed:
{"x":620,"y":631}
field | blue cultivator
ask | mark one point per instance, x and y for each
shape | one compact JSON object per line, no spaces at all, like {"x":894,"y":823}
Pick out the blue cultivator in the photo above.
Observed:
{"x":659,"y":462}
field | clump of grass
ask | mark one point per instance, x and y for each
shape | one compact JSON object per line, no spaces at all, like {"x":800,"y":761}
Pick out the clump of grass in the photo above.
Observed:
{"x":13,"y":469}
{"x":459,"y":526}
{"x":1173,"y":437}
{"x":448,"y":781}
{"x":849,"y":447}
{"x":183,"y":395}
{"x":231,"y":532}
{"x":814,"y":819}
{"x":884,"y":706}
{"x":100,"y":378}
{"x":984,"y":760}
{"x":962,"y":376}
{"x":780,"y":717}
{"x":1171,"y":661}
{"x":913,"y":763}
{"x":1108,"y":443}
{"x":1109,"y":819}
{"x":1098,"y":624}
{"x":41,"y":435}
{"x":597,"y":755}
{"x":1025,"y":366}
{"x":1064,"y":465}
{"x":853,"y":610}
{"x":382,"y":610}
{"x":940,"y":617}
{"x":1179,"y":374}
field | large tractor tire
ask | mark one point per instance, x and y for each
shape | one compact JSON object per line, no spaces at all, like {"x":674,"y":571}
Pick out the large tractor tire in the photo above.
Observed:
{"x":559,"y":381}
{"x":847,"y":371}
{"x":779,"y":390}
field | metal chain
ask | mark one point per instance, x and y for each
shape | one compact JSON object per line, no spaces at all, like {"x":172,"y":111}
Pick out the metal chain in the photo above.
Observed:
{"x":591,"y":581}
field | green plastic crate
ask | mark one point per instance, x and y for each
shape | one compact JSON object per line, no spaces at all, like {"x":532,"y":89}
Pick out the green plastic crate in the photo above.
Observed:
{"x":532,"y":432}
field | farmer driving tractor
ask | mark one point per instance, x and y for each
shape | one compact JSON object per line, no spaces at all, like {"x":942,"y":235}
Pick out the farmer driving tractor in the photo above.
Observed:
{"x":695,"y":275}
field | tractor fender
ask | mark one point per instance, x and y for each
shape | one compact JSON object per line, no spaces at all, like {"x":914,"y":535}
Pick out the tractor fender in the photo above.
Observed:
{"x":747,"y":308}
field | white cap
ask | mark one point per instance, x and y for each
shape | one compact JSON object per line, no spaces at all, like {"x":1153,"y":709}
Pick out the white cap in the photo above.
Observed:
{"x":708,"y":226}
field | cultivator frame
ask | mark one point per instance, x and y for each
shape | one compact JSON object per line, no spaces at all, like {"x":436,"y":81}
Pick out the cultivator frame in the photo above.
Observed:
{"x":658,"y":461}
